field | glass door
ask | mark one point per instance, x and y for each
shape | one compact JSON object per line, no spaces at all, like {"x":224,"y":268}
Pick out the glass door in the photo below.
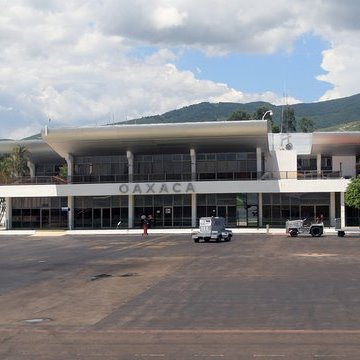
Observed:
{"x":168,"y":216}
{"x":45,"y":218}
{"x":96,"y":218}
{"x":101,"y":218}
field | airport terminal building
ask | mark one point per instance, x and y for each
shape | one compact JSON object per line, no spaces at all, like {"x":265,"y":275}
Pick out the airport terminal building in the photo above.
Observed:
{"x":180,"y":172}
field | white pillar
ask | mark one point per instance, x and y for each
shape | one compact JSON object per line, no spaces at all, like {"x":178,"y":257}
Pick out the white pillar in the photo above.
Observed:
{"x":8,"y":213}
{"x":71,"y":210}
{"x":130,"y":157}
{"x":332,"y":209}
{"x":258,"y":162}
{"x":70,"y":165}
{"x":342,"y":209}
{"x":31,"y":167}
{"x":318,"y":165}
{"x":260,"y":209}
{"x":193,"y":164}
{"x":130,"y":211}
{"x":193,"y":210}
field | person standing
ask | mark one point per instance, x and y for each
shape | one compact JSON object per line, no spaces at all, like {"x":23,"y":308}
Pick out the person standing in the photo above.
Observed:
{"x":145,"y":224}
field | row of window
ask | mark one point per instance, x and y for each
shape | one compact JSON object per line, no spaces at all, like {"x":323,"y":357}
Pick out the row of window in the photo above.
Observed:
{"x":174,"y":163}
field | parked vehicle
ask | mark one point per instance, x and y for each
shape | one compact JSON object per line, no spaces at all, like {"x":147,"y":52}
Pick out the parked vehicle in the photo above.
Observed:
{"x":300,"y":227}
{"x":212,"y":228}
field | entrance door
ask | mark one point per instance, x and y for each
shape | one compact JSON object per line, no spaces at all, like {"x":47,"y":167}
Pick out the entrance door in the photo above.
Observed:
{"x":96,"y":218}
{"x":45,"y":218}
{"x":101,"y":218}
{"x":168,"y":216}
{"x":222,"y":211}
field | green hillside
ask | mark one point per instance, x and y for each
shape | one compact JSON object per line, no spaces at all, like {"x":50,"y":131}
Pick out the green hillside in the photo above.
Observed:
{"x":352,"y":126}
{"x":326,"y":114}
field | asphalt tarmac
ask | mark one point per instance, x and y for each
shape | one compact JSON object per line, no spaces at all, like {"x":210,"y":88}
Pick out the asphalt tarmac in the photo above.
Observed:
{"x":165,"y":297}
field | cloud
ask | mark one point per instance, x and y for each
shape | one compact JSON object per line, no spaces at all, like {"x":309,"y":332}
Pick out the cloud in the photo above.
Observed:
{"x":73,"y":61}
{"x":167,"y":17}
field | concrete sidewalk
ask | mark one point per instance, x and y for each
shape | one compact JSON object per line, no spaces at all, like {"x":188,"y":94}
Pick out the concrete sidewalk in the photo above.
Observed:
{"x":270,"y":231}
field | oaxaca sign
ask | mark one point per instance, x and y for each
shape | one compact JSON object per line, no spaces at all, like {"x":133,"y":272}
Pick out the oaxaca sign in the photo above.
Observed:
{"x":157,"y":188}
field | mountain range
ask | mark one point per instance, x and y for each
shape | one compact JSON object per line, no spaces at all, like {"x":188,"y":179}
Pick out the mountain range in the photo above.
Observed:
{"x":332,"y":115}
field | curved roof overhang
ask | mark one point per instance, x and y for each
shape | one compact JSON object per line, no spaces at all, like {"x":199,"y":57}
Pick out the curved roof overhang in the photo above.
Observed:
{"x":336,"y":143}
{"x":156,"y":138}
{"x":37,"y":150}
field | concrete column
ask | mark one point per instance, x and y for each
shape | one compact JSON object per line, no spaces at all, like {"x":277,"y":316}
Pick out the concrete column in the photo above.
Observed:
{"x":342,"y":209}
{"x":130,"y":211}
{"x":193,"y":210}
{"x":8,"y":213}
{"x":70,"y":165}
{"x":258,"y":162}
{"x":193,"y":164}
{"x":318,"y":165}
{"x":71,"y":212}
{"x":260,"y":209}
{"x":31,"y":167}
{"x":332,"y":209}
{"x":130,"y":157}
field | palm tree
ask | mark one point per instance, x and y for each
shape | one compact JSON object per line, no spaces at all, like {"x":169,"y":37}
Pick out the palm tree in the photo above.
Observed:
{"x":16,"y":162}
{"x":4,"y":171}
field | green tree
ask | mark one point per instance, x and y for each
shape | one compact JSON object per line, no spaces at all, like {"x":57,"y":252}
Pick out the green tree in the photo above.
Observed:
{"x":306,"y":125}
{"x":260,"y":112}
{"x":288,"y":120}
{"x":4,"y":171}
{"x":13,"y":165}
{"x":16,"y":162}
{"x":63,"y":170}
{"x":239,"y":115}
{"x":352,"y":194}
{"x":275,"y":128}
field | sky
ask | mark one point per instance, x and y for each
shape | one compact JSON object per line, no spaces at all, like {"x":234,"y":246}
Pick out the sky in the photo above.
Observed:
{"x":92,"y":62}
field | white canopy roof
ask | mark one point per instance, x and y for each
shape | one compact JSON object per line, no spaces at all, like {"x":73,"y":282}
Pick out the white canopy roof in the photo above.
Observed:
{"x":166,"y":138}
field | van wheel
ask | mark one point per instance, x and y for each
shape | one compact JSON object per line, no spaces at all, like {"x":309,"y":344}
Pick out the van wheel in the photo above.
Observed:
{"x":341,"y":233}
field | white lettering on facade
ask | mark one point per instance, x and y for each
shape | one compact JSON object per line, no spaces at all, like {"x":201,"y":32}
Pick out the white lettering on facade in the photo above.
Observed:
{"x":124,"y":189}
{"x":150,"y":188}
{"x":163,"y":188}
{"x":177,"y":187}
{"x":190,"y":188}
{"x":156,"y":188}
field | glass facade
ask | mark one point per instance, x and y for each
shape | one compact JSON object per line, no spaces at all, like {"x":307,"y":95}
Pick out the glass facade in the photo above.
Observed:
{"x":237,"y":209}
{"x":162,"y":167}
{"x":47,"y":169}
{"x":166,"y":210}
{"x":101,"y":168}
{"x":222,"y":166}
{"x":39,"y":213}
{"x":101,"y":212}
{"x":277,"y":208}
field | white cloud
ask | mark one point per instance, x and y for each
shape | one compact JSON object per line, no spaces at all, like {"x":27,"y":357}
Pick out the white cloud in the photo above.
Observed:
{"x":72,"y":60}
{"x":167,"y":17}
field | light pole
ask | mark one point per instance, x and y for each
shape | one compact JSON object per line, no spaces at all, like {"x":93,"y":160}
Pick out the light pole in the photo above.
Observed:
{"x":267,"y":112}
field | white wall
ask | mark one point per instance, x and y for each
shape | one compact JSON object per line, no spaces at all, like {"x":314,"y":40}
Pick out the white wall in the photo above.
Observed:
{"x":201,"y":187}
{"x":282,"y":162}
{"x":348,"y":165}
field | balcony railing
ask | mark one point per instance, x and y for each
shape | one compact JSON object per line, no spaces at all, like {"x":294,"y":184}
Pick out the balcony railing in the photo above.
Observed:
{"x":167,"y":177}
{"x":313,"y":174}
